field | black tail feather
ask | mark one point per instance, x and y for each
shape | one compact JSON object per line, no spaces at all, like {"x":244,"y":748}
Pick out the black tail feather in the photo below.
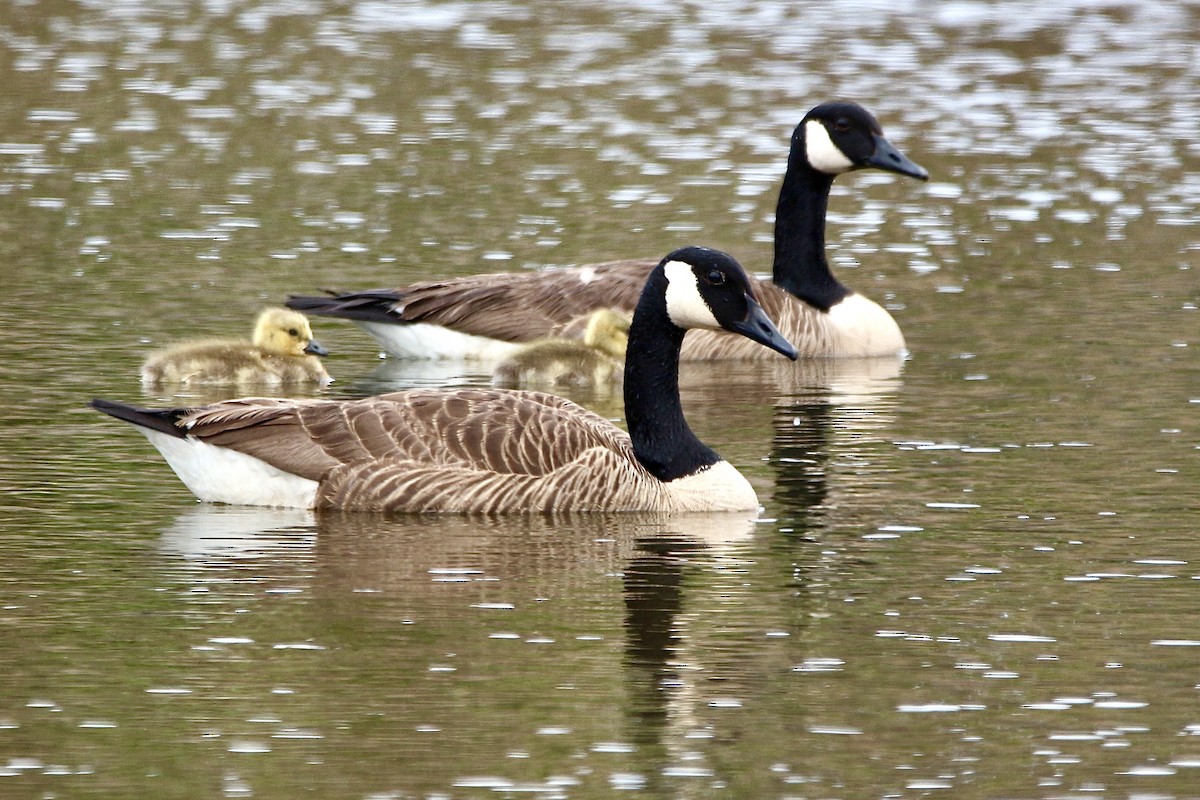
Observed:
{"x":376,"y":305}
{"x":164,"y":420}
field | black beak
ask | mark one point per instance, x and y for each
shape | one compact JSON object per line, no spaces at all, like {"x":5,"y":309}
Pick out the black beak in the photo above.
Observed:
{"x":314,"y":348}
{"x":757,"y":326}
{"x":888,"y":158}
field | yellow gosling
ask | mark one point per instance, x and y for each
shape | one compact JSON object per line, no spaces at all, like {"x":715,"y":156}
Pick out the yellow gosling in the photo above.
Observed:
{"x":281,"y":352}
{"x":598,"y":360}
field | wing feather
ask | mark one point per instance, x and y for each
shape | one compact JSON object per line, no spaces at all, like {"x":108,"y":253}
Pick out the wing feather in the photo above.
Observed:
{"x":519,"y":307}
{"x":598,"y":479}
{"x":492,"y":430}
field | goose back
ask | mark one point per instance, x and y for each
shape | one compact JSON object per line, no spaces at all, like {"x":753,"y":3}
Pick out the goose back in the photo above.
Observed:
{"x":427,"y":451}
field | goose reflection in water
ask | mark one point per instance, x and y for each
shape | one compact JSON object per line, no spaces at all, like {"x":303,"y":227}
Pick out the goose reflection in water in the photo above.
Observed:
{"x":827,"y":411}
{"x":217,"y":534}
{"x":673,"y":582}
{"x":669,"y":581}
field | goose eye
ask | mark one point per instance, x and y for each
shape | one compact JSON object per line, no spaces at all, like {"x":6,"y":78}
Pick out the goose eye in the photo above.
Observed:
{"x":716,"y":277}
{"x":841,"y":125}
{"x":293,"y":332}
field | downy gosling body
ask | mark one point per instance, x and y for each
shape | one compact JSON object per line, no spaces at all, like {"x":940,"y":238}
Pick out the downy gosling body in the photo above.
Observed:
{"x":598,"y":360}
{"x":281,"y":352}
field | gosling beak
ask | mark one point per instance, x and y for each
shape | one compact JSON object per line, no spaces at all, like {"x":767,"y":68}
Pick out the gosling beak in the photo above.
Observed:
{"x":889,"y":159}
{"x":314,"y":348}
{"x":758,"y":327}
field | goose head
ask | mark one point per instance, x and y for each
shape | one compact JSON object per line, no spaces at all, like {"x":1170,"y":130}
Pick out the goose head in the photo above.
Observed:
{"x":709,"y":289}
{"x":283,"y":332}
{"x":841,"y":136}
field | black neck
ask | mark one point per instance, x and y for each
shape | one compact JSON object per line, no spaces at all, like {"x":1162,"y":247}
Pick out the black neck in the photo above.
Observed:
{"x":800,"y":265}
{"x":662,"y":440}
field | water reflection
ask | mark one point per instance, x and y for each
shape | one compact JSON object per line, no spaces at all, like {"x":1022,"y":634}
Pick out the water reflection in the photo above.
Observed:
{"x":658,"y":703}
{"x":549,"y":552}
{"x":216,"y":536}
{"x":829,"y":417}
{"x":667,"y":677}
{"x":395,"y":374}
{"x":480,"y":587}
{"x":681,"y":580}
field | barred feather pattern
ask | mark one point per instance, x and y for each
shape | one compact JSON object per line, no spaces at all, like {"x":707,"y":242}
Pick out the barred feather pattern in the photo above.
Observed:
{"x":597,"y":480}
{"x":470,"y":450}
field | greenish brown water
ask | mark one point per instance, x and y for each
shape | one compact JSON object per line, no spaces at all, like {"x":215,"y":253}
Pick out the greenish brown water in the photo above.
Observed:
{"x":975,"y":575}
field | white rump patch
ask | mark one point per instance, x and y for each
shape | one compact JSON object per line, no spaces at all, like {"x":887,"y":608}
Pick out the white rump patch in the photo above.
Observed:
{"x":587,"y":275}
{"x":717,"y":488}
{"x":685,"y":306}
{"x":433,"y":342}
{"x":220,"y":475}
{"x":821,"y":152}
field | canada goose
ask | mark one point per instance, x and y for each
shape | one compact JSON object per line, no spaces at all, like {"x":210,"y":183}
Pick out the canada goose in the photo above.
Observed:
{"x":558,"y":361}
{"x":485,"y":450}
{"x":280,"y":352}
{"x":480,"y":316}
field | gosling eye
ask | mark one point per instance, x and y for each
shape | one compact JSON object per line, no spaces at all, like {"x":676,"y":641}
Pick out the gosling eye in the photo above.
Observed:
{"x":294,"y":333}
{"x":715,"y":277}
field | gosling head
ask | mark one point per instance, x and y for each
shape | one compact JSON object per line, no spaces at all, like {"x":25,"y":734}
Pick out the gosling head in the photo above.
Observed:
{"x":608,"y":331}
{"x":283,"y":332}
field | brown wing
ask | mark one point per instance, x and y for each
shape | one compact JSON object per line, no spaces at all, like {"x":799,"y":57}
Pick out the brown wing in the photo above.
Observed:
{"x":519,"y":307}
{"x":504,"y":432}
{"x":428,"y":450}
{"x":598,"y":480}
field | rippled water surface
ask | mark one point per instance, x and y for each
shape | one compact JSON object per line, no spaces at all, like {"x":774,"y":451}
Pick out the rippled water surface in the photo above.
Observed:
{"x":976,"y":574}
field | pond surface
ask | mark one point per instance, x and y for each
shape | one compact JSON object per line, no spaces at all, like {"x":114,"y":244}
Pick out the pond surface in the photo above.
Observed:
{"x":976,"y":573}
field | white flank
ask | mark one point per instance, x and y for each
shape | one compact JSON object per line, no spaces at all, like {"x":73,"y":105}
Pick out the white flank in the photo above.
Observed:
{"x":220,"y":475}
{"x":587,"y":275}
{"x":432,"y":342}
{"x":685,"y":306}
{"x":861,"y":327}
{"x":717,"y":488}
{"x":821,"y":152}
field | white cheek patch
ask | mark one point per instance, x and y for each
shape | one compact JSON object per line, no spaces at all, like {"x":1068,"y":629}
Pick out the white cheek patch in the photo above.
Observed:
{"x":685,"y":306}
{"x":822,"y":153}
